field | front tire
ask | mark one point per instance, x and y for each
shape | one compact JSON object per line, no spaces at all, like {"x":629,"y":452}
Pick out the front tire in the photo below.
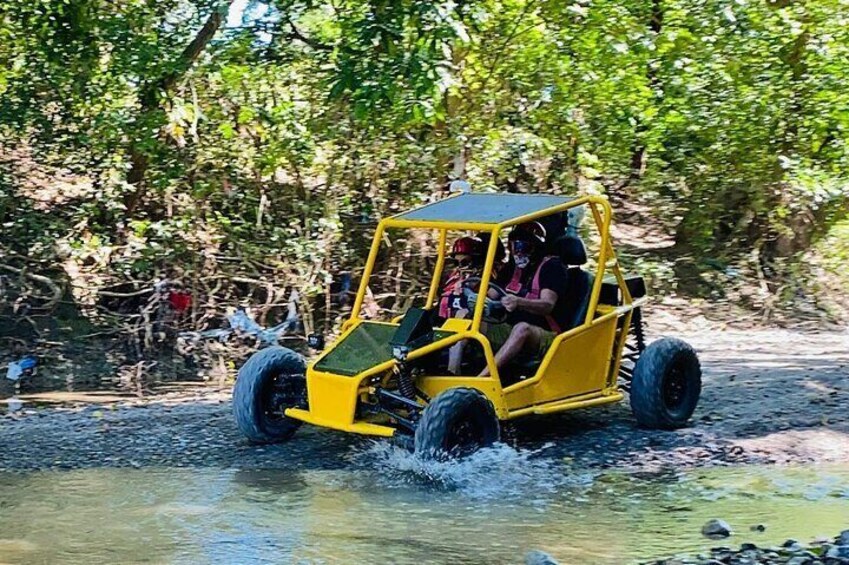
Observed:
{"x":271,"y":381}
{"x":667,"y":384}
{"x":456,"y":423}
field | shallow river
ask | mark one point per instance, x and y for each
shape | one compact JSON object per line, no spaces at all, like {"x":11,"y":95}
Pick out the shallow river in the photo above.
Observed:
{"x":381,"y":506}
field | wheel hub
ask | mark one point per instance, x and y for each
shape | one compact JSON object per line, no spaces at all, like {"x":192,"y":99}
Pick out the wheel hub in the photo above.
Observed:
{"x":286,"y":392}
{"x":673,"y":387}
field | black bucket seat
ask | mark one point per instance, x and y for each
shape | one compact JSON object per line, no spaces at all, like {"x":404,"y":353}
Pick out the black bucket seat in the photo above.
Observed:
{"x":579,"y":283}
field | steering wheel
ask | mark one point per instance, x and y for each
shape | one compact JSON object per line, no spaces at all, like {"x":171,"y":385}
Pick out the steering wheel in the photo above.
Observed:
{"x":494,"y":311}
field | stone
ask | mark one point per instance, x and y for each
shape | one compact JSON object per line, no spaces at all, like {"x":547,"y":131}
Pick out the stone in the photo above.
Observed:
{"x":789,"y":543}
{"x":716,"y":529}
{"x":537,"y":557}
{"x":843,"y":538}
{"x":794,"y":547}
{"x":748,"y":547}
{"x":758,"y":528}
{"x":799,"y":560}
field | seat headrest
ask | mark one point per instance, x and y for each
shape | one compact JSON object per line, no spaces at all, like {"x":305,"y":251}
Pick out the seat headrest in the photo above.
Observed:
{"x":571,"y":250}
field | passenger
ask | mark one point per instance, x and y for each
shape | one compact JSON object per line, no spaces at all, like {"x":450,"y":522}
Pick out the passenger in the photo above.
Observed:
{"x":468,"y":255}
{"x":535,"y":299}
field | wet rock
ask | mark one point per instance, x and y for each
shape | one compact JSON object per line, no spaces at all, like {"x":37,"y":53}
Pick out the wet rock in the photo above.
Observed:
{"x":843,"y":538}
{"x":716,"y":529}
{"x":758,"y":528}
{"x":791,"y":553}
{"x":537,"y":557}
{"x":748,"y":547}
{"x":838,"y":552}
{"x":793,"y":546}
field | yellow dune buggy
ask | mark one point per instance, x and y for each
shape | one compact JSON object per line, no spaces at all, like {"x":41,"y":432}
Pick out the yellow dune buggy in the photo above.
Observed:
{"x":390,"y":378}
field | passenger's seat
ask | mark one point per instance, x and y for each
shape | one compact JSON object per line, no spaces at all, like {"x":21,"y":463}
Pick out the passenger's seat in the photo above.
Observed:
{"x":573,"y":254}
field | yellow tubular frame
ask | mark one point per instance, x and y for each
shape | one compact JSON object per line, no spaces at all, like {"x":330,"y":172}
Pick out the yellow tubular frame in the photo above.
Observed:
{"x":491,"y":386}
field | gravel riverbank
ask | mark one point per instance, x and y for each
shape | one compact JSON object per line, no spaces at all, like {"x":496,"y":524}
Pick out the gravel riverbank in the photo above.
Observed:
{"x":819,"y":552}
{"x":769,"y":396}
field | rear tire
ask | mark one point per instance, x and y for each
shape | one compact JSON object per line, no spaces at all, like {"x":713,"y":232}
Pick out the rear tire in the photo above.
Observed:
{"x":667,"y":384}
{"x":456,"y":423}
{"x":271,"y":381}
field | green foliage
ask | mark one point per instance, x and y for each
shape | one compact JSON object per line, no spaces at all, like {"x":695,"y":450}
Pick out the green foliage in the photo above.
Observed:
{"x":273,"y":152}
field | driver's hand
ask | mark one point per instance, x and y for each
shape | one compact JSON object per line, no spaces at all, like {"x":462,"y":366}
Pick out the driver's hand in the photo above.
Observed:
{"x":510,"y":302}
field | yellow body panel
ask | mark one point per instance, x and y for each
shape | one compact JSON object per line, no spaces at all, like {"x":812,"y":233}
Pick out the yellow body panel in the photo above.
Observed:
{"x":365,"y":428}
{"x":457,"y":325}
{"x":584,"y":401}
{"x":332,"y":398}
{"x":578,"y":371}
{"x":576,"y":364}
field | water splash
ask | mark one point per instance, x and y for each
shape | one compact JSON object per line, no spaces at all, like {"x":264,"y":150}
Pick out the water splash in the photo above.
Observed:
{"x":496,"y":471}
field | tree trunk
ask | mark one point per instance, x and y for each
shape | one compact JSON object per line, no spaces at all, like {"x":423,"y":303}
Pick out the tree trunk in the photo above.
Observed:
{"x":149,"y":97}
{"x":638,"y":151}
{"x":801,"y":226}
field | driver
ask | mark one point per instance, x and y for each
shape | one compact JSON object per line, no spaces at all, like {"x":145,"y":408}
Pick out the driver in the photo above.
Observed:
{"x":535,"y":299}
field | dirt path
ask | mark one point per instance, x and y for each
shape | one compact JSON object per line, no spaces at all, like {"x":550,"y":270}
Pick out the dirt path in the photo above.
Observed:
{"x":768,"y":396}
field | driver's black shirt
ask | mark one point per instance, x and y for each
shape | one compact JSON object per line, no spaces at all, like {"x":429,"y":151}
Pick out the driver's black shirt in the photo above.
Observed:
{"x":553,"y":277}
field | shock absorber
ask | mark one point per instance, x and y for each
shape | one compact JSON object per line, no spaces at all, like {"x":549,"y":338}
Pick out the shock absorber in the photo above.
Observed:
{"x":639,"y":334}
{"x":405,"y":381}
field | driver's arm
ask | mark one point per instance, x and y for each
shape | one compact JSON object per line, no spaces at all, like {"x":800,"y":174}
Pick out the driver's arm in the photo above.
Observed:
{"x":542,"y":306}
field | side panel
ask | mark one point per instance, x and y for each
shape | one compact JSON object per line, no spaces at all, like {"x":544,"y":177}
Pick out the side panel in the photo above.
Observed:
{"x":578,"y":366}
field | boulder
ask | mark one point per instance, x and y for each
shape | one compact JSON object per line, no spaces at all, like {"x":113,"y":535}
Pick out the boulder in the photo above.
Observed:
{"x":537,"y":557}
{"x":716,"y":529}
{"x":843,"y":538}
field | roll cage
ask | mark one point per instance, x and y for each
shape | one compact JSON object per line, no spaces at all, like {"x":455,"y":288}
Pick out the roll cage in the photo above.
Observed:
{"x":492,"y":213}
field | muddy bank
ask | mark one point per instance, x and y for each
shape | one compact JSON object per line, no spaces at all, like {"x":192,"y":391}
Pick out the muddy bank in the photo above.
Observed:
{"x":769,"y":396}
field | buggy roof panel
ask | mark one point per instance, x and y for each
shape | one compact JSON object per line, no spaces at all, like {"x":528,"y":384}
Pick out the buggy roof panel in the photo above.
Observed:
{"x":484,"y":208}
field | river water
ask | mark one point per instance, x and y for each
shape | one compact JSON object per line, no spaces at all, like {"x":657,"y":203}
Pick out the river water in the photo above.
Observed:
{"x":381,"y":505}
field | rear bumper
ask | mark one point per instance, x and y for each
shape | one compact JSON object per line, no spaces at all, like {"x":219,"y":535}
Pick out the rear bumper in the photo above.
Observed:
{"x":365,"y":428}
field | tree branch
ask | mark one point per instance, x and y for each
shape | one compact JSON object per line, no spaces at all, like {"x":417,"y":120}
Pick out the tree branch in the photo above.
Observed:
{"x":149,"y":96}
{"x":56,"y":290}
{"x":778,"y":4}
{"x":296,"y":34}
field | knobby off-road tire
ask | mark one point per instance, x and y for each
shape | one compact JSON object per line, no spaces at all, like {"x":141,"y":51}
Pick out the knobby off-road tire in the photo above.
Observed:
{"x":271,"y":381}
{"x":667,"y":384}
{"x":456,"y":423}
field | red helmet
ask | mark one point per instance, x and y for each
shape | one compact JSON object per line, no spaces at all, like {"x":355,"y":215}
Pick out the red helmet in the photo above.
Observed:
{"x":467,"y":246}
{"x":532,"y":232}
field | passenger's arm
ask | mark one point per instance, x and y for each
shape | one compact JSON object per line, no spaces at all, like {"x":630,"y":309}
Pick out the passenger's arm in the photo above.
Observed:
{"x":541,"y":306}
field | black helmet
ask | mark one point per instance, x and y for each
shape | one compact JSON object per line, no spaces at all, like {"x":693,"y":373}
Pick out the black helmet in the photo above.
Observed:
{"x":500,"y":251}
{"x":532,"y":232}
